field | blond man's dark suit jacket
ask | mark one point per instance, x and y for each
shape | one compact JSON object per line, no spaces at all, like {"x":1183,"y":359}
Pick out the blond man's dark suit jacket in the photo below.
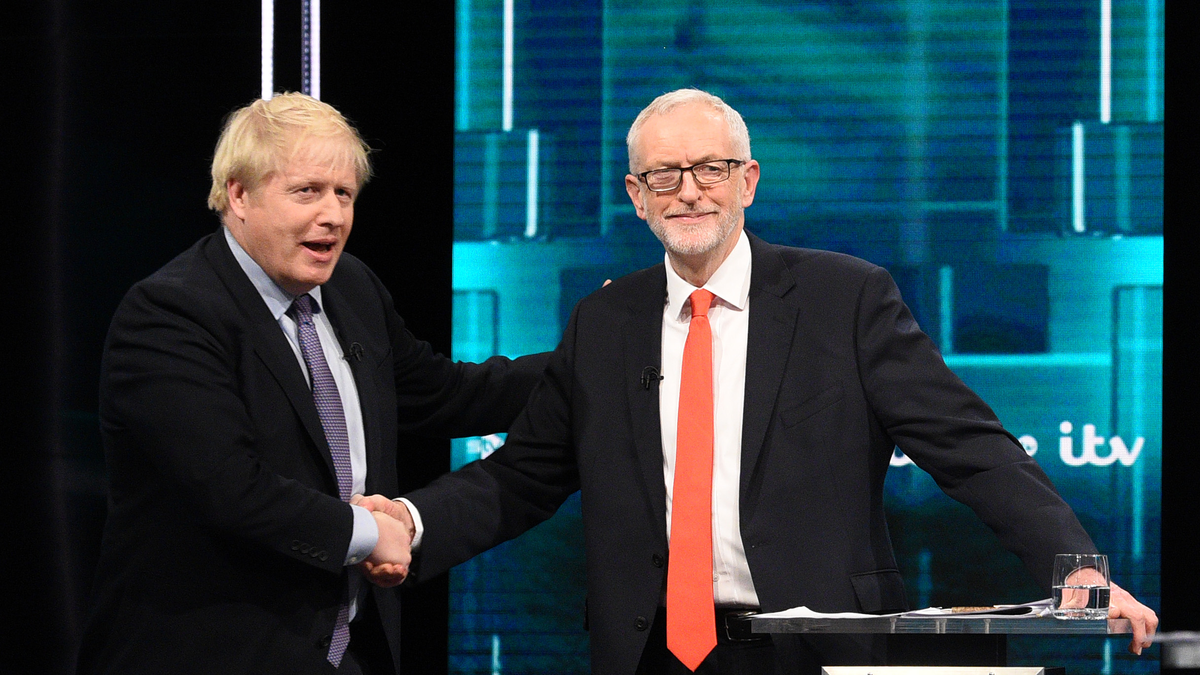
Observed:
{"x":837,"y":375}
{"x":225,"y":540}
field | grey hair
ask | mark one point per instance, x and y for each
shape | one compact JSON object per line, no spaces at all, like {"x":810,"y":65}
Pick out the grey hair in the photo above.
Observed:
{"x":739,"y":135}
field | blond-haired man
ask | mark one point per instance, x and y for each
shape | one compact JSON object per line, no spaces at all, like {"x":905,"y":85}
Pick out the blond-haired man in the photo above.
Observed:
{"x":249,"y":389}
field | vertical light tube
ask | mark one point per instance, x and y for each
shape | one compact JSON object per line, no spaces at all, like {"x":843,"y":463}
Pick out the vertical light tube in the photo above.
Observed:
{"x":924,"y":578}
{"x":1105,"y":61}
{"x":946,"y":309}
{"x":1078,"y":222}
{"x":917,"y":123}
{"x":314,"y":66}
{"x":491,"y":184}
{"x":267,"y":32}
{"x":462,"y":64}
{"x":1123,"y":177}
{"x":497,"y":666}
{"x":310,"y":47}
{"x":1002,"y":123}
{"x":507,"y":95}
{"x":1153,"y":66}
{"x":611,"y":147}
{"x":1142,"y":338}
{"x":531,"y":185}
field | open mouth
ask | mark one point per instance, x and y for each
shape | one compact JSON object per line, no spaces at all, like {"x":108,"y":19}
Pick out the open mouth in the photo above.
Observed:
{"x":318,"y":246}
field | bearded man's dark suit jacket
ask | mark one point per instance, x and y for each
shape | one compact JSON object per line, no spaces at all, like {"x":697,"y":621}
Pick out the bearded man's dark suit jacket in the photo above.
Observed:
{"x":837,"y":374}
{"x":225,"y":541}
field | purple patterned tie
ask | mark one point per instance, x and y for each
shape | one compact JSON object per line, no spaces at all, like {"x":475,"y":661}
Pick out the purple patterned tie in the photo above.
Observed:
{"x":333,"y":421}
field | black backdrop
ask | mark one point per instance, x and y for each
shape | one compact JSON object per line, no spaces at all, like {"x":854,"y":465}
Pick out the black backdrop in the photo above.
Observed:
{"x":110,"y":113}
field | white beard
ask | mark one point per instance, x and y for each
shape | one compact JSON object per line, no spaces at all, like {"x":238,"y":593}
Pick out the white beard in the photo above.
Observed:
{"x":696,"y":240}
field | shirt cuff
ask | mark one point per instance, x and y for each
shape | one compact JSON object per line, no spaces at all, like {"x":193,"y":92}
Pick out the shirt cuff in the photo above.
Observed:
{"x":364,"y":538}
{"x":417,"y":525}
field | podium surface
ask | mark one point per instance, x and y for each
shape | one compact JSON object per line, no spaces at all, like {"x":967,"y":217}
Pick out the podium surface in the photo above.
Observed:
{"x":945,"y":624}
{"x":936,"y":670}
{"x":941,"y":640}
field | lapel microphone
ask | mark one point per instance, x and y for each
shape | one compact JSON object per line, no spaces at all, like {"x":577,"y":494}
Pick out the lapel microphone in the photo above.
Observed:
{"x":650,"y":374}
{"x":353,"y":351}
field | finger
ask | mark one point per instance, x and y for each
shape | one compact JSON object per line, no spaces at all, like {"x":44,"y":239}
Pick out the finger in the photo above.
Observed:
{"x":387,"y":581}
{"x":393,"y":577}
{"x":1139,"y":632}
{"x":1150,"y":621}
{"x":390,"y":570}
{"x":380,"y":577}
{"x":1139,"y":638}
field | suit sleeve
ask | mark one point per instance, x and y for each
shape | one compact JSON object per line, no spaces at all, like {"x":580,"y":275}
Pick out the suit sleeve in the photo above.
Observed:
{"x":519,"y":486}
{"x":947,"y":430}
{"x":180,"y":441}
{"x":441,"y":398}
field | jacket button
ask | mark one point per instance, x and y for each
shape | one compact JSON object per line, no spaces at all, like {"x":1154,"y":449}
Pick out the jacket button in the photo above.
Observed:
{"x":657,"y":560}
{"x":323,"y":556}
{"x":641,"y":623}
{"x":295,"y":544}
{"x":324,"y":642}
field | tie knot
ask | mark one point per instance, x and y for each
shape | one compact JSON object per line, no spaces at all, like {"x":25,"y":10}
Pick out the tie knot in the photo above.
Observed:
{"x":301,"y":309}
{"x":701,"y":301}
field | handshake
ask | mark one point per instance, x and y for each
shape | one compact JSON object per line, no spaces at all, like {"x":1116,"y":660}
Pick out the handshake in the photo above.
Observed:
{"x":387,"y":566}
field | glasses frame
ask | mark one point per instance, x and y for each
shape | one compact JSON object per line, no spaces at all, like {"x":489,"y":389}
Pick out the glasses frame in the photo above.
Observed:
{"x":730,"y":164}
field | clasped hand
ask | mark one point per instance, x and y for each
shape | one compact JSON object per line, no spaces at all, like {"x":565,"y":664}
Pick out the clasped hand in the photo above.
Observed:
{"x":387,"y":566}
{"x":1121,"y":605}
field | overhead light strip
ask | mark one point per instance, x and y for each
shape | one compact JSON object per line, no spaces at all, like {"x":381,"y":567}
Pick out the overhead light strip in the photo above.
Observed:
{"x":267,"y":36}
{"x":1105,"y":61}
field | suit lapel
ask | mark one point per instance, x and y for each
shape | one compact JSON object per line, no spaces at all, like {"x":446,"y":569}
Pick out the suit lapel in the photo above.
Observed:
{"x":643,"y":348}
{"x":350,"y":332}
{"x":269,"y":343}
{"x":768,"y":346}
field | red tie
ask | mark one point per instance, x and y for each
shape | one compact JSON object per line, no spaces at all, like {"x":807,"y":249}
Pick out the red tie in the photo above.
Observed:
{"x":691,"y":629}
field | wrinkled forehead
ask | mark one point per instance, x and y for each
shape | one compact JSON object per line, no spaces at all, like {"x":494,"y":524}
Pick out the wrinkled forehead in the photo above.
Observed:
{"x":694,"y":131}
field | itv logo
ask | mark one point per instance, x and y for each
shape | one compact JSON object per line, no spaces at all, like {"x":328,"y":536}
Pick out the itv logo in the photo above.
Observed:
{"x":1118,"y":451}
{"x":1089,"y":453}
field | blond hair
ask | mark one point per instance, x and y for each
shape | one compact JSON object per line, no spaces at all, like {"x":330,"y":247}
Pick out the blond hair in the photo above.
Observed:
{"x":739,"y":135}
{"x":261,"y":138}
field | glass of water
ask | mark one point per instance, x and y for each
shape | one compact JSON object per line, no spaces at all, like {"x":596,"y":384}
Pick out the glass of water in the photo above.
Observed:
{"x":1081,"y":587}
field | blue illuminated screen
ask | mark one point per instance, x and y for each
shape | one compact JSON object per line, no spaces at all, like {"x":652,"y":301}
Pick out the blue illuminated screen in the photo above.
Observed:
{"x":1003,"y":159}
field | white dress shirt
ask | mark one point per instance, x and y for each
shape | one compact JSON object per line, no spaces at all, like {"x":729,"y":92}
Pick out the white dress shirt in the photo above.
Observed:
{"x":730,"y":322}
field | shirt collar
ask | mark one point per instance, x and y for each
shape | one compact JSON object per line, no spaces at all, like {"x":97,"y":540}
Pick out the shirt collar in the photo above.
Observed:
{"x":277,"y":299}
{"x":730,"y":283}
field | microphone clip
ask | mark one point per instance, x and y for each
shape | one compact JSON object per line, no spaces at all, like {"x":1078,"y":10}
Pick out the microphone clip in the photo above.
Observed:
{"x":650,"y":374}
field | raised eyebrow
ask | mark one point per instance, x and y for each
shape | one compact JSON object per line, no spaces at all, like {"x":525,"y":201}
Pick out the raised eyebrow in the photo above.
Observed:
{"x":676,"y":165}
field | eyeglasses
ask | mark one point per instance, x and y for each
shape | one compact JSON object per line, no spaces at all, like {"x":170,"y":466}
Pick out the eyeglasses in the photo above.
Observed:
{"x":705,"y":173}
